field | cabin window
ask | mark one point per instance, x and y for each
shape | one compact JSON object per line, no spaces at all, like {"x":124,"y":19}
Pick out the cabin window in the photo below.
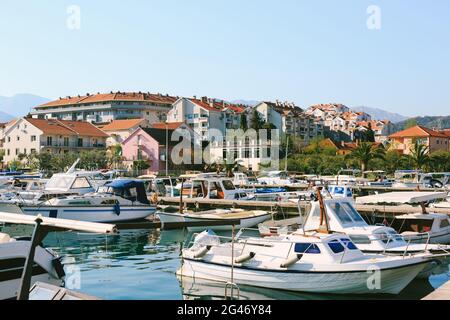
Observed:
{"x":80,"y":203}
{"x":417,"y":225}
{"x":339,"y":190}
{"x":110,"y":202}
{"x":444,"y":223}
{"x":359,"y":239}
{"x":341,"y":212}
{"x":228,"y":185}
{"x":336,"y":246}
{"x":349,"y":193}
{"x":81,"y":183}
{"x":349,"y":244}
{"x":307,"y":248}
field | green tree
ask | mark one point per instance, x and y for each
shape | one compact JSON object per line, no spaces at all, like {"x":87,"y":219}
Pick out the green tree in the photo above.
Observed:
{"x":365,"y":152}
{"x":369,"y":135}
{"x":419,"y":155}
{"x":440,"y":161}
{"x":410,"y":123}
{"x":244,"y":124}
{"x":44,"y":160}
{"x":256,"y":122}
{"x":116,"y":156}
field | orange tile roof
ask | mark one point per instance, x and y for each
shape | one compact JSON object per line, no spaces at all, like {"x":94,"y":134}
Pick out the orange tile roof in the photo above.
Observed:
{"x":118,"y":125}
{"x":71,"y":128}
{"x":215,"y":105}
{"x":170,"y":125}
{"x":418,"y":131}
{"x":110,"y":97}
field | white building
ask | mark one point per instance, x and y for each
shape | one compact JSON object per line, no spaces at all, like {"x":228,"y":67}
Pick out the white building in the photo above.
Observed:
{"x":104,"y":108}
{"x":204,"y":114}
{"x":27,"y":136}
{"x":290,"y":119}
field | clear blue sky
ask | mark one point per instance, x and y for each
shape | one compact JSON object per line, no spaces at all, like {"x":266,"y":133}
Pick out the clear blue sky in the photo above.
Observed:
{"x":303,"y":51}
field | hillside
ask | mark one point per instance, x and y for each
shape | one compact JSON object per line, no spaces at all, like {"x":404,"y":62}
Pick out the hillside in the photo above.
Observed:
{"x":19,"y":105}
{"x":441,"y":122}
{"x":381,"y":114}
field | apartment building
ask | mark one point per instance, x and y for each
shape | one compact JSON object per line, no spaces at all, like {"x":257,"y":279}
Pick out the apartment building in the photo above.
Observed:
{"x":204,"y":114}
{"x":107,"y":107}
{"x":28,"y":135}
{"x":119,"y":130}
{"x":381,"y":128}
{"x":404,"y":141}
{"x":290,"y":119}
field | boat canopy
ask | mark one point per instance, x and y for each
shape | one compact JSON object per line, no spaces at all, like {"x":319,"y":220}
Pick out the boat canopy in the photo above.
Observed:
{"x":401,"y":197}
{"x":123,"y":188}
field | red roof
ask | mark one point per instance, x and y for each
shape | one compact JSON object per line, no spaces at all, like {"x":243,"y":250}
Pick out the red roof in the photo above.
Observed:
{"x":109,"y":97}
{"x":70,"y":128}
{"x":169,"y":126}
{"x":418,"y":131}
{"x":214,"y":105}
{"x":118,"y":125}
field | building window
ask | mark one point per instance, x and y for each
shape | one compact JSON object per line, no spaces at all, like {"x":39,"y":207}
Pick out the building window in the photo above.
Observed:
{"x":49,"y":141}
{"x":18,"y":138}
{"x":33,"y":138}
{"x":8,"y":152}
{"x":17,"y":152}
{"x":33,"y":151}
{"x":9,"y":139}
{"x":80,"y":142}
{"x":66,"y":141}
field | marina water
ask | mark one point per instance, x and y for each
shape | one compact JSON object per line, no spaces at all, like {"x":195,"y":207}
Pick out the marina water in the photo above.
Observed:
{"x":141,"y":264}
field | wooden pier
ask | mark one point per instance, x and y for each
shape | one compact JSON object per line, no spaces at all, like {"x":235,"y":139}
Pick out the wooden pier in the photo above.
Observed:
{"x":291,"y":208}
{"x":441,"y":293}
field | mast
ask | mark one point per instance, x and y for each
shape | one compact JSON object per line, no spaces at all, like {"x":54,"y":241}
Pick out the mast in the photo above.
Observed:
{"x":324,"y":226}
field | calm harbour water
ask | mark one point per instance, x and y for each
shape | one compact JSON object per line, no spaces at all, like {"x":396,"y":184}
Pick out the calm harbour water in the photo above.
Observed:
{"x":141,"y":264}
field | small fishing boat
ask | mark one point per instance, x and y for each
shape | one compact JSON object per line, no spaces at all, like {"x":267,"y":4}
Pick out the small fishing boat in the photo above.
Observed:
{"x":46,"y":266}
{"x":421,"y":227}
{"x":247,"y":219}
{"x":118,"y":201}
{"x":315,"y":262}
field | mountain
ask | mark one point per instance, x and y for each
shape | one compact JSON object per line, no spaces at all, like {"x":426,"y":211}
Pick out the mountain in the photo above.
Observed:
{"x":246,"y":102}
{"x":381,"y":114}
{"x":19,"y":105}
{"x":4,"y":117}
{"x":440,"y":122}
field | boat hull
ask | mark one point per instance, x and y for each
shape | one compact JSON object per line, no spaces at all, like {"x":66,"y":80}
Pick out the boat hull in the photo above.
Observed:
{"x":108,"y":214}
{"x":179,"y":218}
{"x":393,"y":280}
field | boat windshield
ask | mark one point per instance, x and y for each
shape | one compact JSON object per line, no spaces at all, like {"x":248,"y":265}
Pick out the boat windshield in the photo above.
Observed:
{"x":228,"y":185}
{"x":346,"y":213}
{"x":59,"y":182}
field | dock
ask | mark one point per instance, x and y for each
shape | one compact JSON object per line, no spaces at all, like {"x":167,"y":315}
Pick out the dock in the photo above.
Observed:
{"x":441,"y":293}
{"x":290,"y":208}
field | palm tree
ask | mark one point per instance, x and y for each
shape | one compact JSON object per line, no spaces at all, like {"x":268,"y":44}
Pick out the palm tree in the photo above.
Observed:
{"x":419,"y":155}
{"x":365,"y":152}
{"x":230,"y":168}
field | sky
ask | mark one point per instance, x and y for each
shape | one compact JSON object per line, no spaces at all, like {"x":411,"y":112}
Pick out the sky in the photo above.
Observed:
{"x":318,"y":51}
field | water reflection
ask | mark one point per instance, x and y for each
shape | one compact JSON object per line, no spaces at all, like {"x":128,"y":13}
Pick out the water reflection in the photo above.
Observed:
{"x":141,"y":264}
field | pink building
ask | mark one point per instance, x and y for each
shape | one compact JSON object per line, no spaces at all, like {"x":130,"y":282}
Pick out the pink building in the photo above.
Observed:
{"x":149,"y":144}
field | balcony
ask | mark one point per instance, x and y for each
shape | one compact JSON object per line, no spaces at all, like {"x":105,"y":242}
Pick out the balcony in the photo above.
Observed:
{"x":73,"y":145}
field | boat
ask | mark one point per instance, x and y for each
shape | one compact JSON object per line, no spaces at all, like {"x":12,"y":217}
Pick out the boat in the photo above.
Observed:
{"x":118,"y":201}
{"x":276,"y":178}
{"x":161,"y":186}
{"x":344,"y":177}
{"x":46,"y":266}
{"x":314,"y":262}
{"x":423,"y":226}
{"x":247,"y":219}
{"x":213,"y":186}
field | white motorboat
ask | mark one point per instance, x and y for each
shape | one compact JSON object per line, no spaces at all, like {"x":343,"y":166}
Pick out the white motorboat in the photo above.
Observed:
{"x":247,"y":219}
{"x":47,"y":265}
{"x":277,"y":178}
{"x":13,"y":253}
{"x":314,"y":262}
{"x":212,"y":186}
{"x":424,"y":226}
{"x":118,"y":201}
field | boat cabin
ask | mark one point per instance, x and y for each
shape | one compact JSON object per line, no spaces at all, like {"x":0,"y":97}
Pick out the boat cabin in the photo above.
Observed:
{"x":213,"y":187}
{"x":76,"y":182}
{"x":132,"y":190}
